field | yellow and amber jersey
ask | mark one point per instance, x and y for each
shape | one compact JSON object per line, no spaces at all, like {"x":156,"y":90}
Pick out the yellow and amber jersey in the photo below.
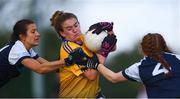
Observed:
{"x":72,"y":81}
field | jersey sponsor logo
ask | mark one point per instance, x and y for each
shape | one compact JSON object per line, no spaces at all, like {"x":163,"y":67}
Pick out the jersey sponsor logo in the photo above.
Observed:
{"x":158,"y":70}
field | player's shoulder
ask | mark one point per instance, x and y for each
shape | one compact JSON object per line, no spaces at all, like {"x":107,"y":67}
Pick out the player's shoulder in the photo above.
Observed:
{"x":69,"y":46}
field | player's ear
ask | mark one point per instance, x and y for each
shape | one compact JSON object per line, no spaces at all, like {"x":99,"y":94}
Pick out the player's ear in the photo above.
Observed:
{"x":62,"y":34}
{"x":22,"y":37}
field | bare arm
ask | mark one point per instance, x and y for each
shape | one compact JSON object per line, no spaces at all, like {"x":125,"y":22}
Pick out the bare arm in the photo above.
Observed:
{"x":46,"y":67}
{"x":110,"y":75}
{"x":41,"y":60}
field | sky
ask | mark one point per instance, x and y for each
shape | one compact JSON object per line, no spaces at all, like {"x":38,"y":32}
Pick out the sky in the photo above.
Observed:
{"x":132,"y":18}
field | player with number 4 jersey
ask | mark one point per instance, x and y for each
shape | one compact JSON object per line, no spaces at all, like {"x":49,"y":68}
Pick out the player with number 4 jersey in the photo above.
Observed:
{"x":159,"y":70}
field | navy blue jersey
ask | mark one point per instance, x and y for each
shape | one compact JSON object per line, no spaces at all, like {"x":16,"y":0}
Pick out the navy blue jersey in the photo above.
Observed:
{"x":151,"y":74}
{"x":11,"y":56}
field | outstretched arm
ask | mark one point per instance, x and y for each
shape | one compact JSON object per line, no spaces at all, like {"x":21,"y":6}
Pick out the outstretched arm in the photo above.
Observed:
{"x":41,"y":60}
{"x":110,"y":75}
{"x":41,"y":65}
{"x":107,"y":73}
{"x":44,"y":67}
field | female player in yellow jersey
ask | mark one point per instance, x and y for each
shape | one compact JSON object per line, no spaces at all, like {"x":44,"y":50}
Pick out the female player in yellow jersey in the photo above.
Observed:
{"x":76,"y":81}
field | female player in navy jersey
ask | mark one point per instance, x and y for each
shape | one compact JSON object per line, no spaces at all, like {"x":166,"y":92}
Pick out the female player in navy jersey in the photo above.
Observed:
{"x":18,"y":54}
{"x":159,"y":70}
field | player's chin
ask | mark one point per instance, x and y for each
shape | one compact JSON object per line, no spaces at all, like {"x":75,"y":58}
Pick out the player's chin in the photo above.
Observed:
{"x":36,"y":44}
{"x":77,"y":38}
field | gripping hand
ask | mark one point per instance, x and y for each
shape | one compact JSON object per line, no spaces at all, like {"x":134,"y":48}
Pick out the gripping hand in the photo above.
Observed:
{"x":93,"y":62}
{"x":108,"y":44}
{"x":101,"y":26}
{"x":76,"y":56}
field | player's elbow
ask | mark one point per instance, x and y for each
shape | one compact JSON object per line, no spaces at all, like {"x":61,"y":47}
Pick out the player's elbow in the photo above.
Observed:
{"x":91,"y":74}
{"x":92,"y":77}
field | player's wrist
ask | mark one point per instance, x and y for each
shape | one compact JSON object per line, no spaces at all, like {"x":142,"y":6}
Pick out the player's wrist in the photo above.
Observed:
{"x":99,"y":66}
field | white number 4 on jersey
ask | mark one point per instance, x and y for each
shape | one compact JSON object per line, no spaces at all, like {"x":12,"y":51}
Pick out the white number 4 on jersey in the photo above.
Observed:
{"x":157,"y":70}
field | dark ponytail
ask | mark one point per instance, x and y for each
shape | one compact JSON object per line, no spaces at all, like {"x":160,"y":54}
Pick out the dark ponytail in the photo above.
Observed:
{"x":20,"y":28}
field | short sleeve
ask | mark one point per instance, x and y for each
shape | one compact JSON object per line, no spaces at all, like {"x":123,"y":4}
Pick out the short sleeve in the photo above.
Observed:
{"x":18,"y":52}
{"x":132,"y":72}
{"x":16,"y":55}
